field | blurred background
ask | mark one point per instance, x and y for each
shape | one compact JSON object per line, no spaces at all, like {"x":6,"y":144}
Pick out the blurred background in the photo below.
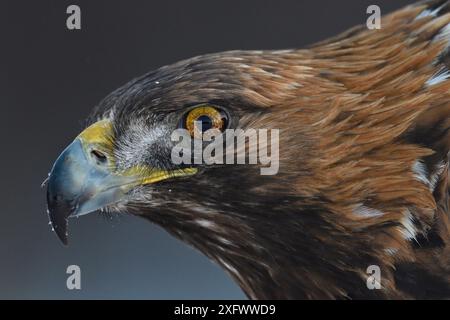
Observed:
{"x":50,"y":79}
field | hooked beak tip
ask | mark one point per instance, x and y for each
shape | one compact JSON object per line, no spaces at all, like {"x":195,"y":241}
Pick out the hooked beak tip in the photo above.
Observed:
{"x":62,"y":235}
{"x":59,"y":223}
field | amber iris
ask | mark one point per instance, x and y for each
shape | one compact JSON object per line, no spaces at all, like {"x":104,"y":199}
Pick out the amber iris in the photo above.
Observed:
{"x":204,"y":118}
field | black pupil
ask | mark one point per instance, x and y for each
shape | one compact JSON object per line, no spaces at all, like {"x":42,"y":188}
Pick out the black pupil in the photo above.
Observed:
{"x":206,"y":123}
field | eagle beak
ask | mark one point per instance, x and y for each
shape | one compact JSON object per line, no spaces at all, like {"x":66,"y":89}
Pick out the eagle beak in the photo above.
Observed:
{"x":78,"y":185}
{"x":84,"y":178}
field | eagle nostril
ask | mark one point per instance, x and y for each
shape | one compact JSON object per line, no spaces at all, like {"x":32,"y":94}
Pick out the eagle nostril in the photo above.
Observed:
{"x":99,"y":156}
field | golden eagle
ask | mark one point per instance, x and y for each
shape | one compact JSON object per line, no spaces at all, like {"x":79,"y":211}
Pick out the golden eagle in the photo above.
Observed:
{"x":363,"y":122}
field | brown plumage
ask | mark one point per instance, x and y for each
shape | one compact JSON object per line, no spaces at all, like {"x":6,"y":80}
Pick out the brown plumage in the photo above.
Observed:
{"x":364,"y":123}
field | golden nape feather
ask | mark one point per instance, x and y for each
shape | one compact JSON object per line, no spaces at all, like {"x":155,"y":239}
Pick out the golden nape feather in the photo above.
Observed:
{"x":376,"y":107}
{"x":364,"y":123}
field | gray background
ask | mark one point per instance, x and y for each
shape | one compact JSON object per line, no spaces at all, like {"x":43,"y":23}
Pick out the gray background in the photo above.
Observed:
{"x":51,"y":77}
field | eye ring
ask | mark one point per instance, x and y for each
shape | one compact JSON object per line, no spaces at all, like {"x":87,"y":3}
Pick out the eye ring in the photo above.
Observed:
{"x":209,"y":116}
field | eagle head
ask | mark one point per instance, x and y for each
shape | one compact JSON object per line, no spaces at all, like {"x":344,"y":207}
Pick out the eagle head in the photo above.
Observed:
{"x":357,"y":128}
{"x":122,"y":161}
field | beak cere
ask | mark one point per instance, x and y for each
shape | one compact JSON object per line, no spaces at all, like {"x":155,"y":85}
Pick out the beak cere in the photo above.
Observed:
{"x":84,"y":178}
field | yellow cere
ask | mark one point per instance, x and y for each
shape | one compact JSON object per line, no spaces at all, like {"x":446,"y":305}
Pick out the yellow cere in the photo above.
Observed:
{"x":100,"y":135}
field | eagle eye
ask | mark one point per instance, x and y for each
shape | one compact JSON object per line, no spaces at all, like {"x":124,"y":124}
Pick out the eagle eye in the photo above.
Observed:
{"x":203,"y":118}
